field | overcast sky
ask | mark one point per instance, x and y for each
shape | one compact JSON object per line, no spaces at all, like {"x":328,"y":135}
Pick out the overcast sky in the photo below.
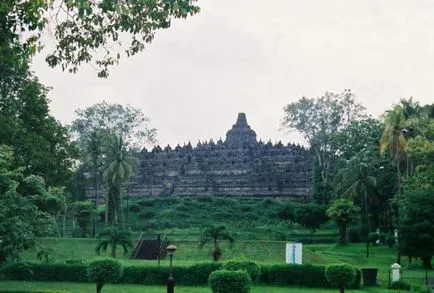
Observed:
{"x":257,"y":56}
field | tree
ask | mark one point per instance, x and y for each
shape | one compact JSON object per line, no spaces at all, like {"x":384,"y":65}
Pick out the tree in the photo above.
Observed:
{"x":103,"y":119}
{"x":215,"y":234}
{"x":416,"y":232}
{"x":105,"y":270}
{"x":119,"y":166}
{"x":83,"y":211}
{"x":318,"y":120}
{"x":41,"y":144}
{"x":393,"y":139}
{"x":341,"y":276}
{"x":343,"y":211}
{"x":310,"y":215}
{"x":20,"y":219}
{"x":113,"y":237}
{"x":84,"y":31}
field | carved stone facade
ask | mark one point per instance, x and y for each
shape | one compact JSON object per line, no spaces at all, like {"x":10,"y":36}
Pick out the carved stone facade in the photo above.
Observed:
{"x":239,"y":166}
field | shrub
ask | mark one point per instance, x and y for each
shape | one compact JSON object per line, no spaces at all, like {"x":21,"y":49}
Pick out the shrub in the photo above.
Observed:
{"x":400,"y":285}
{"x":341,"y":276}
{"x":74,"y":261}
{"x":146,"y":215}
{"x":390,"y":240}
{"x":45,"y":272}
{"x":134,"y":208}
{"x":250,"y":267}
{"x":373,"y":237}
{"x":16,"y":271}
{"x":292,"y":274}
{"x":422,"y":289}
{"x":224,"y":281}
{"x":279,"y":236}
{"x":104,"y":270}
{"x":355,"y":234}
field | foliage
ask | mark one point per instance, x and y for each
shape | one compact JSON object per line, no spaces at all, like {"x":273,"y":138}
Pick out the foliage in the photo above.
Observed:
{"x":373,"y":237}
{"x":416,"y":233}
{"x":343,"y":211}
{"x":319,"y":120}
{"x":104,"y":270}
{"x":119,"y":166}
{"x":94,"y":123}
{"x":42,"y":146}
{"x":83,"y":212}
{"x":310,"y":215}
{"x":46,"y":255}
{"x":341,"y":275}
{"x":400,"y":285}
{"x":215,"y":234}
{"x":20,"y":219}
{"x":84,"y":31}
{"x":114,"y":237}
{"x":224,"y":281}
{"x":250,"y":267}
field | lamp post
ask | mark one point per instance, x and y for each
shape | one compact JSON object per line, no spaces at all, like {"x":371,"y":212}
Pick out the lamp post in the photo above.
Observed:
{"x":171,"y":282}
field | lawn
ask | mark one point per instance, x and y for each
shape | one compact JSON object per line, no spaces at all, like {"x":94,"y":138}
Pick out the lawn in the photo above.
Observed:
{"x":19,"y":286}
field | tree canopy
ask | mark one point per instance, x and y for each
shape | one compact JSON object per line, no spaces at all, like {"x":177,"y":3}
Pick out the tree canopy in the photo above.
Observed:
{"x":84,"y":31}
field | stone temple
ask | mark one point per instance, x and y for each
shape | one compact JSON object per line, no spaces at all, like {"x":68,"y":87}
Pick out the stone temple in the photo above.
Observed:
{"x":238,"y":166}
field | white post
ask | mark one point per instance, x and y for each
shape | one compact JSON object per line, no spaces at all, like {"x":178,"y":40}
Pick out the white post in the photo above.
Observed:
{"x":396,"y":272}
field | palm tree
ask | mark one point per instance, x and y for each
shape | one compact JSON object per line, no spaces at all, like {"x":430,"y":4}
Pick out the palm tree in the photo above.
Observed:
{"x":119,"y":166}
{"x":93,"y":146}
{"x":214,"y":234}
{"x":113,"y":237}
{"x":393,"y":139}
{"x":362,"y":183}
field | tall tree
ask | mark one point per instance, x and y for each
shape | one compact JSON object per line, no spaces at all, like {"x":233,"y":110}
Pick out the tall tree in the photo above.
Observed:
{"x":119,"y":166}
{"x":393,"y":140}
{"x":21,"y":220}
{"x":103,"y":119}
{"x":41,"y":144}
{"x":319,"y":120}
{"x":361,"y":187}
{"x":84,"y":31}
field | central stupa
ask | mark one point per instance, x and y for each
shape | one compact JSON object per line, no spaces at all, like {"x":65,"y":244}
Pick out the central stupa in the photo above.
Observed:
{"x":241,"y":135}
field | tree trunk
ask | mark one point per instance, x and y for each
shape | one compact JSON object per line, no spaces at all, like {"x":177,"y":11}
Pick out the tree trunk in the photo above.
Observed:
{"x":342,"y":289}
{"x":95,"y":203}
{"x":113,"y":252}
{"x":426,"y":260}
{"x":398,"y":172}
{"x":99,"y":287}
{"x":64,"y":220}
{"x":343,"y":233}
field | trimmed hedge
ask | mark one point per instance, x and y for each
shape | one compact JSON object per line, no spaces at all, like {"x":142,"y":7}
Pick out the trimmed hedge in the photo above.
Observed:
{"x":249,"y":266}
{"x":45,"y":272}
{"x":224,"y":281}
{"x":285,"y":274}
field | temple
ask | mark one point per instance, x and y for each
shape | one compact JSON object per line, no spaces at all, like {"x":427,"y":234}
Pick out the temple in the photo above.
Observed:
{"x":238,"y":166}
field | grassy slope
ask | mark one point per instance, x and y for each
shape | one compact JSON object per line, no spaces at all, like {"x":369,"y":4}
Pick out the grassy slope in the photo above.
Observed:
{"x":88,"y":288}
{"x":263,"y":252}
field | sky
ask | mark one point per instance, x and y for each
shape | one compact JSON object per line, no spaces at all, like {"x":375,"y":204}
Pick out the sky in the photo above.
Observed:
{"x":257,"y":56}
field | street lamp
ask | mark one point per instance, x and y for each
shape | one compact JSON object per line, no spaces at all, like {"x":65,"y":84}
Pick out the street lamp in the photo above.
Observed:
{"x":171,"y":282}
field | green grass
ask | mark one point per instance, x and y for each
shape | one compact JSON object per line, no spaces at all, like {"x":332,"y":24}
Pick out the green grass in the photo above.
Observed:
{"x":260,"y":251}
{"x":19,"y":286}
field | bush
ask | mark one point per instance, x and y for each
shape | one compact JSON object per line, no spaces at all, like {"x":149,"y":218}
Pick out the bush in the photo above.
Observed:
{"x":373,"y":237}
{"x":250,"y":267}
{"x":134,"y":208}
{"x":341,"y":275}
{"x":355,"y":234}
{"x":224,"y":281}
{"x":291,"y":274}
{"x":146,"y":215}
{"x":104,"y":270}
{"x":400,"y":285}
{"x":390,"y":240}
{"x":45,"y":272}
{"x":74,"y":261}
{"x":422,"y":289}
